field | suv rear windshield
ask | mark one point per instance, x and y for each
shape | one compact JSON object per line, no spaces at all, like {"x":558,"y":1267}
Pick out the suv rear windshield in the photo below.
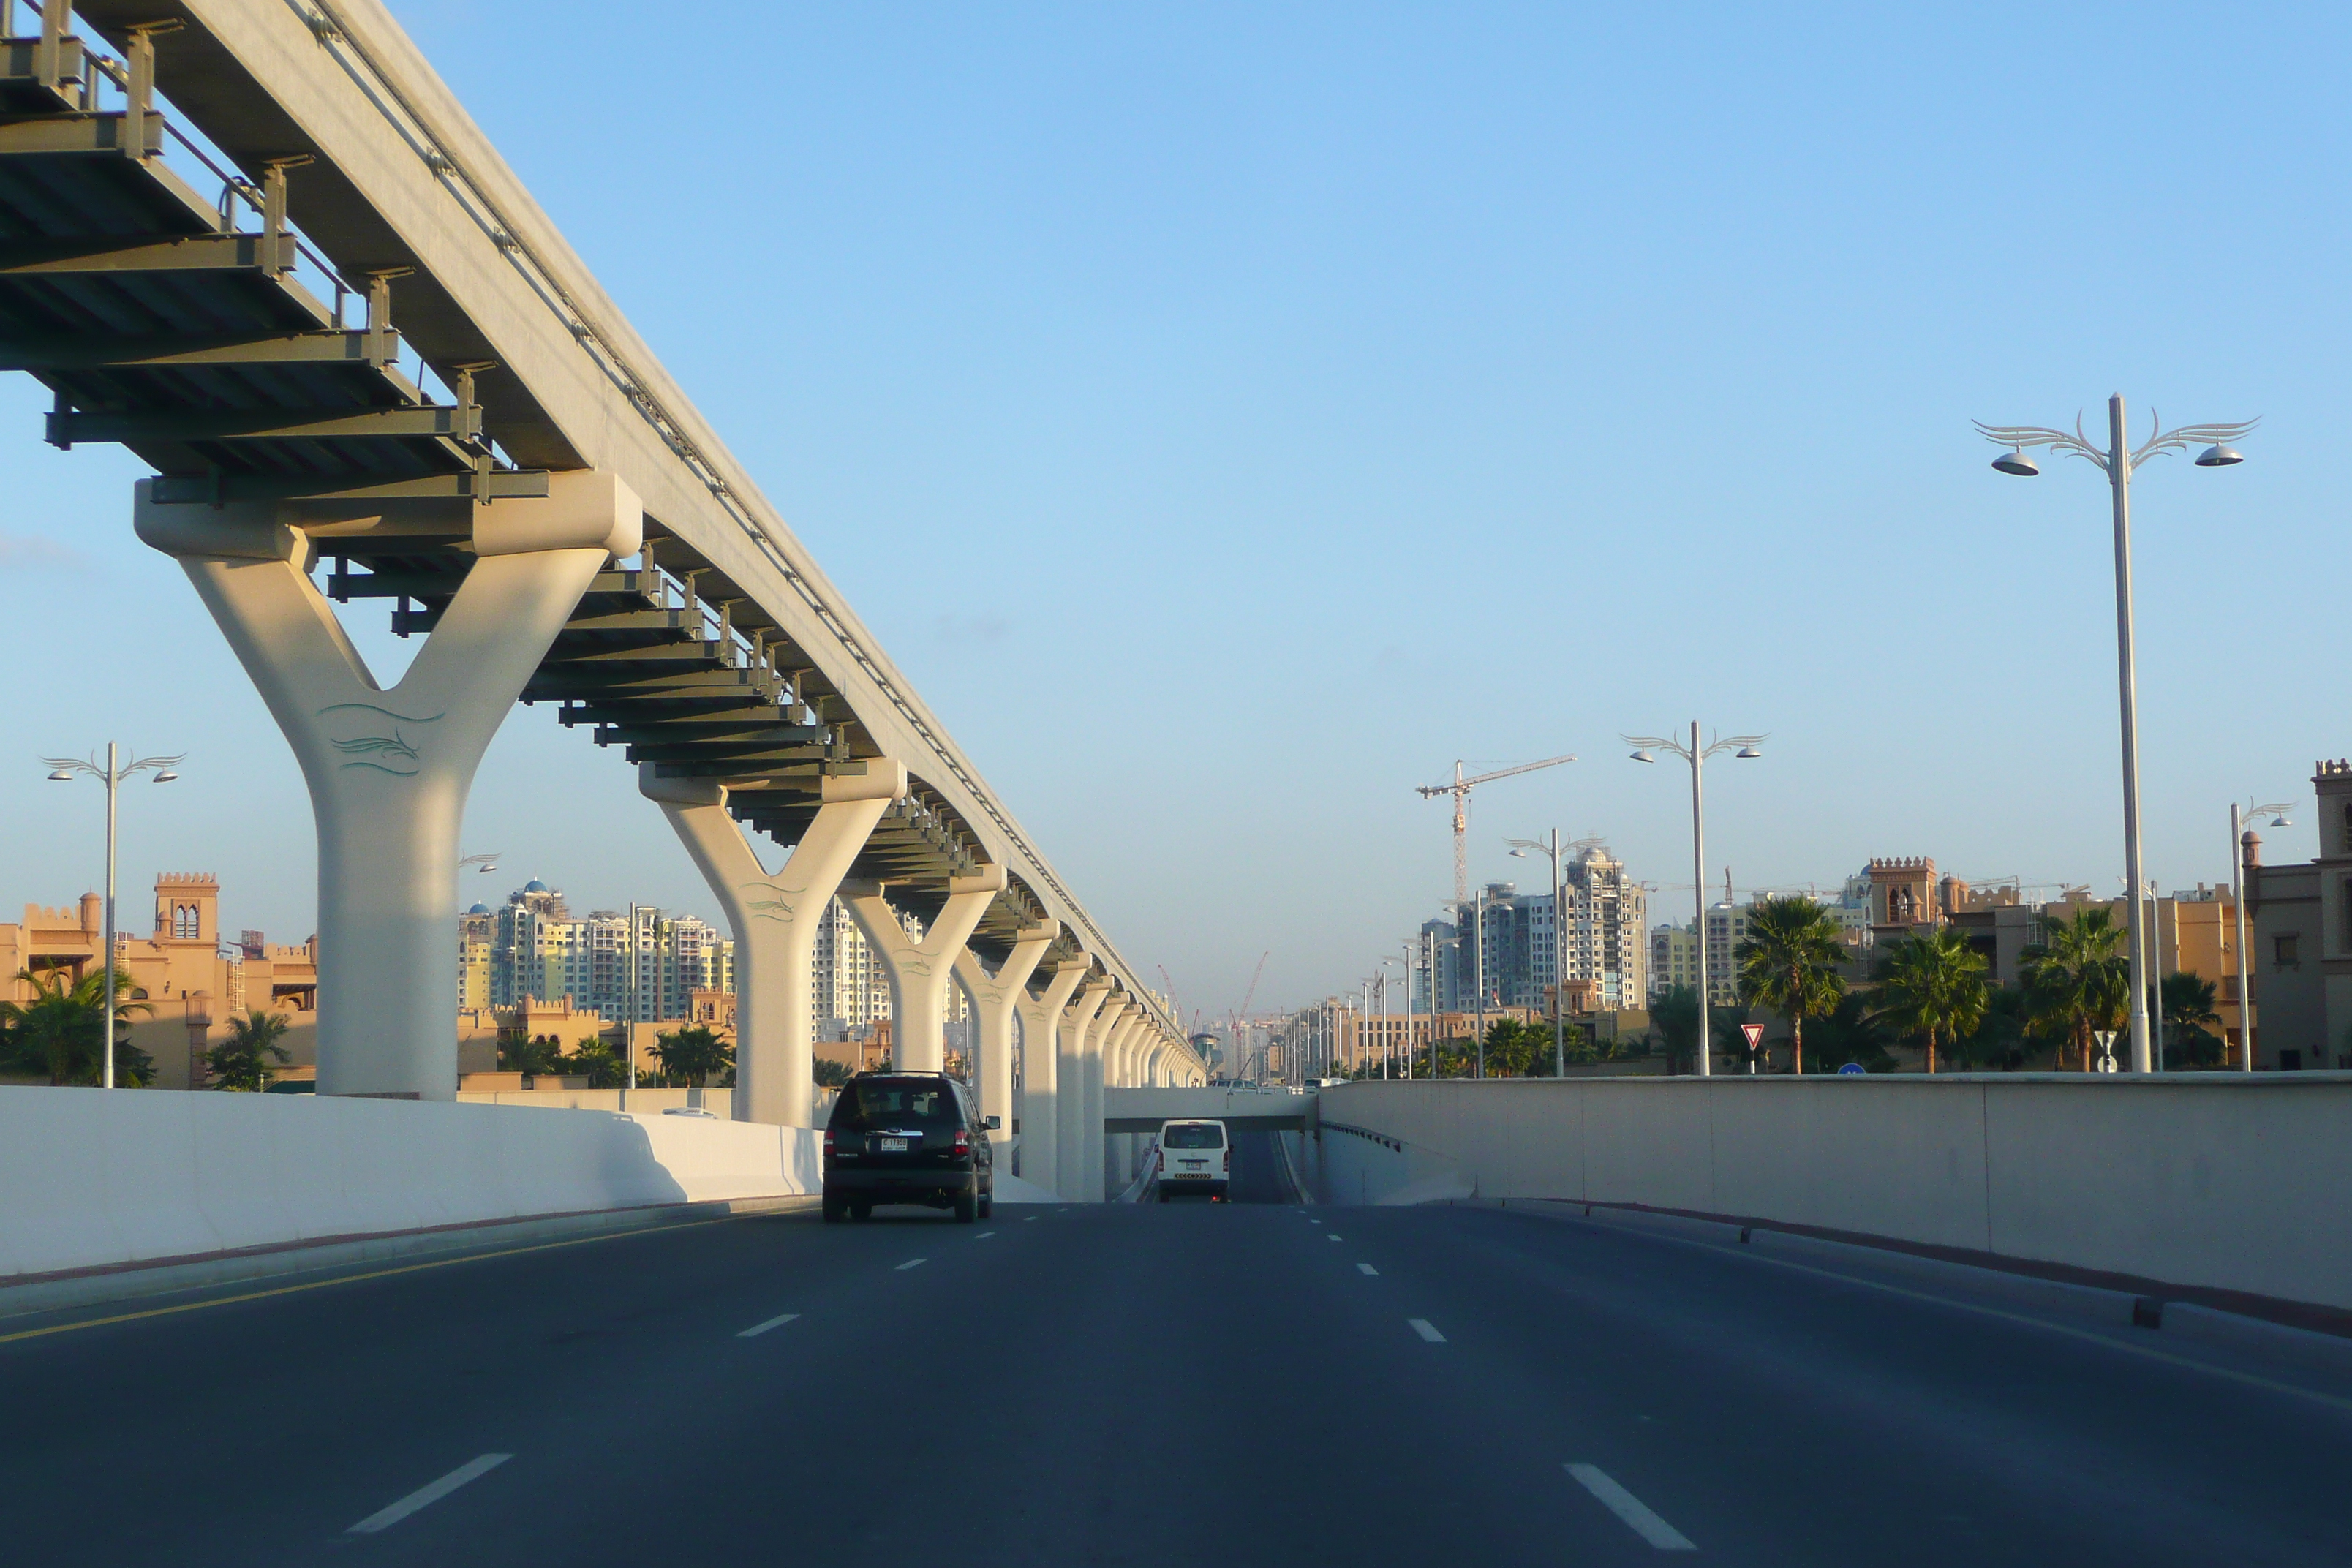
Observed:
{"x":891,"y":1101}
{"x":1200,"y":1135}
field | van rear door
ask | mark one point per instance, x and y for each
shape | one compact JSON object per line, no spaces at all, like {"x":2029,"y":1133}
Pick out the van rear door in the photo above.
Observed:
{"x":1192,"y":1153}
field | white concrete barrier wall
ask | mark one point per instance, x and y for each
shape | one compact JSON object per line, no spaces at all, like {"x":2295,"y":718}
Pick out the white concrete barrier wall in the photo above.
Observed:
{"x":92,"y":1178}
{"x":2216,"y":1180}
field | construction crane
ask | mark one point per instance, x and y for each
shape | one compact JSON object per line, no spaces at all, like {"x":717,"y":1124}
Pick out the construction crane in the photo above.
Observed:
{"x":1460,"y":790}
{"x":1246,"y":1000}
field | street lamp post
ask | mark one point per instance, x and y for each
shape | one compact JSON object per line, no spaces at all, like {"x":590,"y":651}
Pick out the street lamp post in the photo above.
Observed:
{"x":2238,"y":909}
{"x":1388,"y":1023}
{"x":111,"y":776}
{"x":1520,"y":849}
{"x":1479,"y":972}
{"x":1437,"y":942}
{"x":2117,"y":462}
{"x":1697,"y":756}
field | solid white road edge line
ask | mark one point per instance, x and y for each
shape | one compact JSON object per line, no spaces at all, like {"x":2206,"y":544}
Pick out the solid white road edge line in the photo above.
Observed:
{"x":1628,"y":1507}
{"x":1366,"y":1268}
{"x":426,"y":1495}
{"x":912,"y":1263}
{"x":1423,"y":1327}
{"x":778,"y":1321}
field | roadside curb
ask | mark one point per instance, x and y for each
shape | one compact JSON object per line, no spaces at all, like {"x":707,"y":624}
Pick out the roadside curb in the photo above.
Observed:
{"x":2106,"y":1307}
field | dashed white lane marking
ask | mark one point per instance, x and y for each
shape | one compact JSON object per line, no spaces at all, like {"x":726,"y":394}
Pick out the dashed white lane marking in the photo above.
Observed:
{"x":1029,"y":1220}
{"x":756,"y":1330}
{"x":1314,"y":1222}
{"x":1366,"y":1268}
{"x":1329,"y":1236}
{"x":984,"y":1236}
{"x":426,"y":1495}
{"x":912,"y":1263}
{"x":1423,"y":1327}
{"x":1628,"y":1507}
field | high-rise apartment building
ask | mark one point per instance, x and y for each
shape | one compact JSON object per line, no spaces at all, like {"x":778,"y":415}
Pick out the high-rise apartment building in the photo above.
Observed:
{"x":640,"y":965}
{"x":1603,"y":938}
{"x":1516,"y":948}
{"x":1726,"y":928}
{"x":645,"y":966}
{"x":1674,"y":958}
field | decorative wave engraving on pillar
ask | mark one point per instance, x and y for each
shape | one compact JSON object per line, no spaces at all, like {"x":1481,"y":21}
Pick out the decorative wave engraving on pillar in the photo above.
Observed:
{"x":779,"y":908}
{"x":393,"y":753}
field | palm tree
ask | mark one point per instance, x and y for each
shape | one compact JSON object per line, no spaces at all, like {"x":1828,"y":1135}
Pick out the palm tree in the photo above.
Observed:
{"x":243,"y":1061}
{"x":2186,"y":1004}
{"x":694,"y":1053}
{"x":61,"y":1031}
{"x":2076,"y":980}
{"x":1933,"y":985}
{"x":1850,"y":1032}
{"x":1788,"y":961}
{"x":1512,"y":1048}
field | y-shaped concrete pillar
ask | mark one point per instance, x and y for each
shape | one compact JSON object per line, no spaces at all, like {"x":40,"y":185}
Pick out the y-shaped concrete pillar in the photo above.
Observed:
{"x":1098,"y":1039}
{"x":388,"y":770}
{"x":993,"y":1000}
{"x":775,"y":919}
{"x":920,"y":971}
{"x":1118,"y":1073}
{"x":1070,"y":1118}
{"x":1041,"y":1076}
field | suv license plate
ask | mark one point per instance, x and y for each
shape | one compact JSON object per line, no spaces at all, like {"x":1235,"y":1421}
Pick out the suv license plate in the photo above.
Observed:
{"x":894,"y":1145}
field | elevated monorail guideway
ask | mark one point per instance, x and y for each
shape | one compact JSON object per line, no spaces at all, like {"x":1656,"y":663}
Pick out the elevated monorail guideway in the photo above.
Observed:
{"x":258,"y":243}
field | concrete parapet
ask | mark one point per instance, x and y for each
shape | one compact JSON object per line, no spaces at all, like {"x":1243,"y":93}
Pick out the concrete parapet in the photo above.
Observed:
{"x":2208,"y":1182}
{"x":98,"y":1180}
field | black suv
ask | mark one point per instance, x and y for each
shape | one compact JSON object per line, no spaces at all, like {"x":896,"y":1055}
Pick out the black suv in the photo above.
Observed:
{"x":907,"y":1138}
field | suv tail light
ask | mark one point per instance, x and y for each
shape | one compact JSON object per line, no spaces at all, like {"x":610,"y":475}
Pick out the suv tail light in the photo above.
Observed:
{"x":964,"y":1141}
{"x":828,"y":1140}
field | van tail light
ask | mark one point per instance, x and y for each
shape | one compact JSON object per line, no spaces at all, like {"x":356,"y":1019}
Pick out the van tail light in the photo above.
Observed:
{"x":1163,"y":1161}
{"x":1228,"y":1165}
{"x":964,"y":1141}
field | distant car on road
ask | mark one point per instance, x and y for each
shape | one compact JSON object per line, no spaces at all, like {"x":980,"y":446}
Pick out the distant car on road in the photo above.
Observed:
{"x":1194,"y":1157}
{"x":907,"y":1138}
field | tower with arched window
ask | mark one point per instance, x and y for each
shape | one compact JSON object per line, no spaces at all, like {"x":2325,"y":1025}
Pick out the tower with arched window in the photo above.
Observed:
{"x":188,"y":908}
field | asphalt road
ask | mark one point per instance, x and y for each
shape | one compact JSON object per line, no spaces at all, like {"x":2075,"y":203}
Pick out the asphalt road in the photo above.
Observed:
{"x":1231,"y":1384}
{"x":1259,"y":1177}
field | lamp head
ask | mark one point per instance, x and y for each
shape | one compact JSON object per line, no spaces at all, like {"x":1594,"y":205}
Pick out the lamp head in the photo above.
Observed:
{"x":1518,"y":854}
{"x":2023,"y":466}
{"x":2218,"y":457}
{"x":1748,"y":751}
{"x":60,"y":774}
{"x":166,"y":776}
{"x":1644,"y":755}
{"x":2280,"y":821}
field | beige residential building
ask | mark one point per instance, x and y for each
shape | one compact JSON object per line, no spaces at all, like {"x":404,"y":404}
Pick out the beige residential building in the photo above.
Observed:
{"x":1674,"y":958}
{"x":190,"y":982}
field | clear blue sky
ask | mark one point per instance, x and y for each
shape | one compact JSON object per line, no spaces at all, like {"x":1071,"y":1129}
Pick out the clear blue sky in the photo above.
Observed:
{"x":1229,"y":416}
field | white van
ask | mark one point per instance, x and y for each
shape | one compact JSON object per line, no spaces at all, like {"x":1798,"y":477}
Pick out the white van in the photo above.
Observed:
{"x":1194,"y":1157}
